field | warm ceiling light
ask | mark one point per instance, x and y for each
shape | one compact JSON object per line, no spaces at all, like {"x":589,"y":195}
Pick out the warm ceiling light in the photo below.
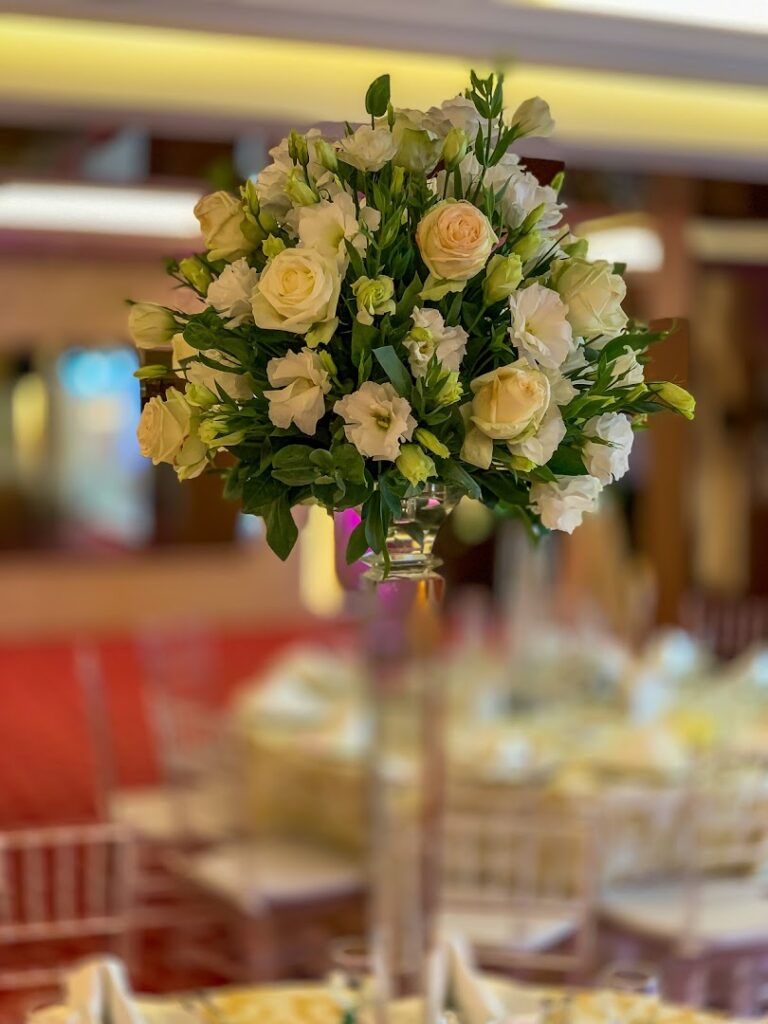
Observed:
{"x":624,"y":239}
{"x":739,"y":15}
{"x":96,"y":209}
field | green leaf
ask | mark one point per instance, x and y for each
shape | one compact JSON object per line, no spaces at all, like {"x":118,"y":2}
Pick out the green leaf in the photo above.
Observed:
{"x":293,"y":465}
{"x":409,"y":298}
{"x":363,"y":337}
{"x":455,"y":473}
{"x":390,"y":499}
{"x":349,"y":463}
{"x":357,"y":544}
{"x":394,"y":369}
{"x":377,"y":96}
{"x":259,"y":492}
{"x":567,"y":462}
{"x":281,"y":529}
{"x":354,"y":259}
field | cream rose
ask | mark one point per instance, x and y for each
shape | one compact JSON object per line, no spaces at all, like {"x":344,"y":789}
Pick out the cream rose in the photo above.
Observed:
{"x":230,"y":292}
{"x":509,"y":404}
{"x":168,"y":432}
{"x":455,"y":240}
{"x":222,"y":220}
{"x":594,"y":295}
{"x":234,"y":384}
{"x":297,"y":289}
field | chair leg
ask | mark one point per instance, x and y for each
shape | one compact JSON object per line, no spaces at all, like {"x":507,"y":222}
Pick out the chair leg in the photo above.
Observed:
{"x":744,"y":988}
{"x":257,"y":947}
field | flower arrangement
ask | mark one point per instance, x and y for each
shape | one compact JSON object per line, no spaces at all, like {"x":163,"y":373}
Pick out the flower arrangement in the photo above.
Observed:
{"x":400,"y":305}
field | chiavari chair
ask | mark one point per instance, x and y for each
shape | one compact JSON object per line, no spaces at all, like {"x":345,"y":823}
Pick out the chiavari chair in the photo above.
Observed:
{"x":60,"y":887}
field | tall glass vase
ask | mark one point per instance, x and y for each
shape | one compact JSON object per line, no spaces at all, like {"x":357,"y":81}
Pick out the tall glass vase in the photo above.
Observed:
{"x":407,"y":769}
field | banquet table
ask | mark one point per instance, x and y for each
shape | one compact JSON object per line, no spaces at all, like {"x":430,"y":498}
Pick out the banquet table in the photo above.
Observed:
{"x":305,"y":1003}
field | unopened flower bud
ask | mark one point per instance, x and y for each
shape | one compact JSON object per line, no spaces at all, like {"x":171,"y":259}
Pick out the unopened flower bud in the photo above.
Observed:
{"x":527,"y":246}
{"x":297,"y":189}
{"x":533,"y":218}
{"x":502,"y":276}
{"x":431,"y":443}
{"x":398,"y":180}
{"x":271,"y":246}
{"x":675,"y":397}
{"x":325,"y":154}
{"x":196,"y":273}
{"x":201,"y":396}
{"x":454,"y":148}
{"x":297,"y":148}
{"x":451,"y":391}
{"x":415,"y":465}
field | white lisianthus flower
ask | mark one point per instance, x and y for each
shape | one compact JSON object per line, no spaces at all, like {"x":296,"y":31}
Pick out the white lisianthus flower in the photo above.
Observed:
{"x":368,"y":149}
{"x":540,"y":328}
{"x":230,"y":292}
{"x":419,"y":145}
{"x":455,"y":240}
{"x":561,"y":503}
{"x":508,"y":404}
{"x":626,"y":371}
{"x":233,"y":384}
{"x":523,"y":193}
{"x":296,"y":290}
{"x":458,"y":112}
{"x":429,"y":337}
{"x":168,"y":431}
{"x":271,"y":182}
{"x":607,"y":457}
{"x":533,"y":117}
{"x":222,"y":222}
{"x":541,"y":446}
{"x":376,"y":420}
{"x":326,"y":226}
{"x":594,"y":294}
{"x":561,"y":388}
{"x":302,"y":382}
{"x":151,"y":325}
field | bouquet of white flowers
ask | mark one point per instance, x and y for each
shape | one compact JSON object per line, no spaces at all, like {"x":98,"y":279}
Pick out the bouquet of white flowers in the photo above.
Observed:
{"x":398,"y":306}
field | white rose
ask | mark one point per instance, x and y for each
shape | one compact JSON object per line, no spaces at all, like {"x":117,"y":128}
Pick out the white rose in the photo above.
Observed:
{"x":455,"y":240}
{"x":168,"y":432}
{"x":230,"y":292}
{"x":509,"y":404}
{"x":540,"y":328}
{"x":377,"y":420}
{"x":271,"y":182}
{"x":626,"y":371}
{"x":222,"y":220}
{"x":302,"y":383}
{"x":532,"y":117}
{"x":561,"y":503}
{"x":368,"y":149}
{"x":541,"y":446}
{"x":150,"y":325}
{"x":298,"y":288}
{"x":594,"y":295}
{"x":430,"y":337}
{"x":233,"y":384}
{"x":607,"y":458}
{"x":327,"y":226}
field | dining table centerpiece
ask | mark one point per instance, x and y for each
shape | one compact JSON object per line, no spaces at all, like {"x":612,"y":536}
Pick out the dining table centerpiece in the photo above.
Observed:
{"x":386,"y":319}
{"x":391,"y":317}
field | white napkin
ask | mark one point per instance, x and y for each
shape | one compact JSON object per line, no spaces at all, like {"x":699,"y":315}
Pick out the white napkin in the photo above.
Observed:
{"x":462,"y":987}
{"x":95,"y":992}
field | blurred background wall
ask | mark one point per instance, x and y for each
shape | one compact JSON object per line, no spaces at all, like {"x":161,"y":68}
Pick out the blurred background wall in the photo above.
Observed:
{"x":115,"y":117}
